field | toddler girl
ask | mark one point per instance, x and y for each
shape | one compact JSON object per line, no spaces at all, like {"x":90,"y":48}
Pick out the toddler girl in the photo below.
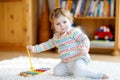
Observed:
{"x":73,"y":47}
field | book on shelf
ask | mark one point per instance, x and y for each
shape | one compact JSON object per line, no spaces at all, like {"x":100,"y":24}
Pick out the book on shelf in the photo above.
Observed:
{"x":87,"y":2}
{"x":69,"y":4}
{"x":100,"y":8}
{"x":82,"y":8}
{"x":63,"y":4}
{"x":57,"y":4}
{"x":105,"y":10}
{"x":73,"y":7}
{"x":112,"y":7}
{"x":95,"y":12}
{"x":77,"y":9}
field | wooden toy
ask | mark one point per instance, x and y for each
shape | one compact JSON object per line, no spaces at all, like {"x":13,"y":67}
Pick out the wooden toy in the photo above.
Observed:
{"x":32,"y":71}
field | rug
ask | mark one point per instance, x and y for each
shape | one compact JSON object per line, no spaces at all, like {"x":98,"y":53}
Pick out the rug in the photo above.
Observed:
{"x":10,"y":69}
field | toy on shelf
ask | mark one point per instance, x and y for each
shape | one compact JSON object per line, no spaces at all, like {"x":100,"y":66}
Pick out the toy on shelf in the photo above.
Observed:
{"x":32,"y":71}
{"x":103,"y":33}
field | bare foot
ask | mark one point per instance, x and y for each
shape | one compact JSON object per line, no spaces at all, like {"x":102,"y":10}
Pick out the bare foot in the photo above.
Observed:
{"x":105,"y":76}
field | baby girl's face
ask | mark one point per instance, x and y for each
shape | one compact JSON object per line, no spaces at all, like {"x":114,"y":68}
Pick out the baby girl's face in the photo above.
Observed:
{"x":62,"y":24}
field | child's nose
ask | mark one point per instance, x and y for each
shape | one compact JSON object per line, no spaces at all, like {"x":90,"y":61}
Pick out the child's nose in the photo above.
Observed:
{"x":61,"y":24}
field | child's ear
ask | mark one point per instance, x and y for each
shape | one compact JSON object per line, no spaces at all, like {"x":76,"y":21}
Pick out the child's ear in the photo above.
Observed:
{"x":51,"y":26}
{"x":53,"y":29}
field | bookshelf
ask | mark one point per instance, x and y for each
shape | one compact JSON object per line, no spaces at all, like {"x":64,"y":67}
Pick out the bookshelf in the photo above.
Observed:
{"x":91,"y":23}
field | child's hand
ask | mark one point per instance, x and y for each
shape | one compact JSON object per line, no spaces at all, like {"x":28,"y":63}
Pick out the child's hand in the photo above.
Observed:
{"x":30,"y":48}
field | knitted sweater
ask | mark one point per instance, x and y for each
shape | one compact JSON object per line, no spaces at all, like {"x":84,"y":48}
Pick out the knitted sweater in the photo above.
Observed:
{"x":72,"y":45}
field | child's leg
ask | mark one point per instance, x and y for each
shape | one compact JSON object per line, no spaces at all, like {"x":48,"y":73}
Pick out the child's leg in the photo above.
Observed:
{"x":82,"y":69}
{"x":61,"y":70}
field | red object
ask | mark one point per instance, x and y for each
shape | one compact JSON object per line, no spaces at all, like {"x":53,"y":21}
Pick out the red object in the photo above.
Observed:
{"x":40,"y":70}
{"x":103,"y":33}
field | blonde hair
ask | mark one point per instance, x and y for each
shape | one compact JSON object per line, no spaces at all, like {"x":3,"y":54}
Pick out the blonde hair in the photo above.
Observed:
{"x":56,"y":13}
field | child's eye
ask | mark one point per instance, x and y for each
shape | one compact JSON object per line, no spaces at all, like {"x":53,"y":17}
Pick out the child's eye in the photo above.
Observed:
{"x":64,"y":21}
{"x":58,"y":24}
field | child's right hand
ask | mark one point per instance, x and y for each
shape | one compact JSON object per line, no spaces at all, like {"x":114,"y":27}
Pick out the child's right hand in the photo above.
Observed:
{"x":30,"y":48}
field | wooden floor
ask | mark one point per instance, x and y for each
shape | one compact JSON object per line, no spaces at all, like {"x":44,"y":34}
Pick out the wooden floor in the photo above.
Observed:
{"x":101,"y":57}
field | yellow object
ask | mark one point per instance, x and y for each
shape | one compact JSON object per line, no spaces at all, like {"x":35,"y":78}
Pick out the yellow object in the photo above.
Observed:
{"x":31,"y":66}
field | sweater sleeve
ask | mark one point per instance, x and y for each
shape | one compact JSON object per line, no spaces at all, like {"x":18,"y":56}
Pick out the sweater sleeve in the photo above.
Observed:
{"x":82,"y":39}
{"x":44,"y":46}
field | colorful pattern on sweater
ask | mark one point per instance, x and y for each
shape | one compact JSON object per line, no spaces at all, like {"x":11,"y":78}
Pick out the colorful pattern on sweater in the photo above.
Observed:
{"x":72,"y":45}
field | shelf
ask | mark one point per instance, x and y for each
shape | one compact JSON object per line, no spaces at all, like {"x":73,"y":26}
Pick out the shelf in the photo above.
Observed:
{"x":100,"y":48}
{"x":102,"y":44}
{"x":107,"y":18}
